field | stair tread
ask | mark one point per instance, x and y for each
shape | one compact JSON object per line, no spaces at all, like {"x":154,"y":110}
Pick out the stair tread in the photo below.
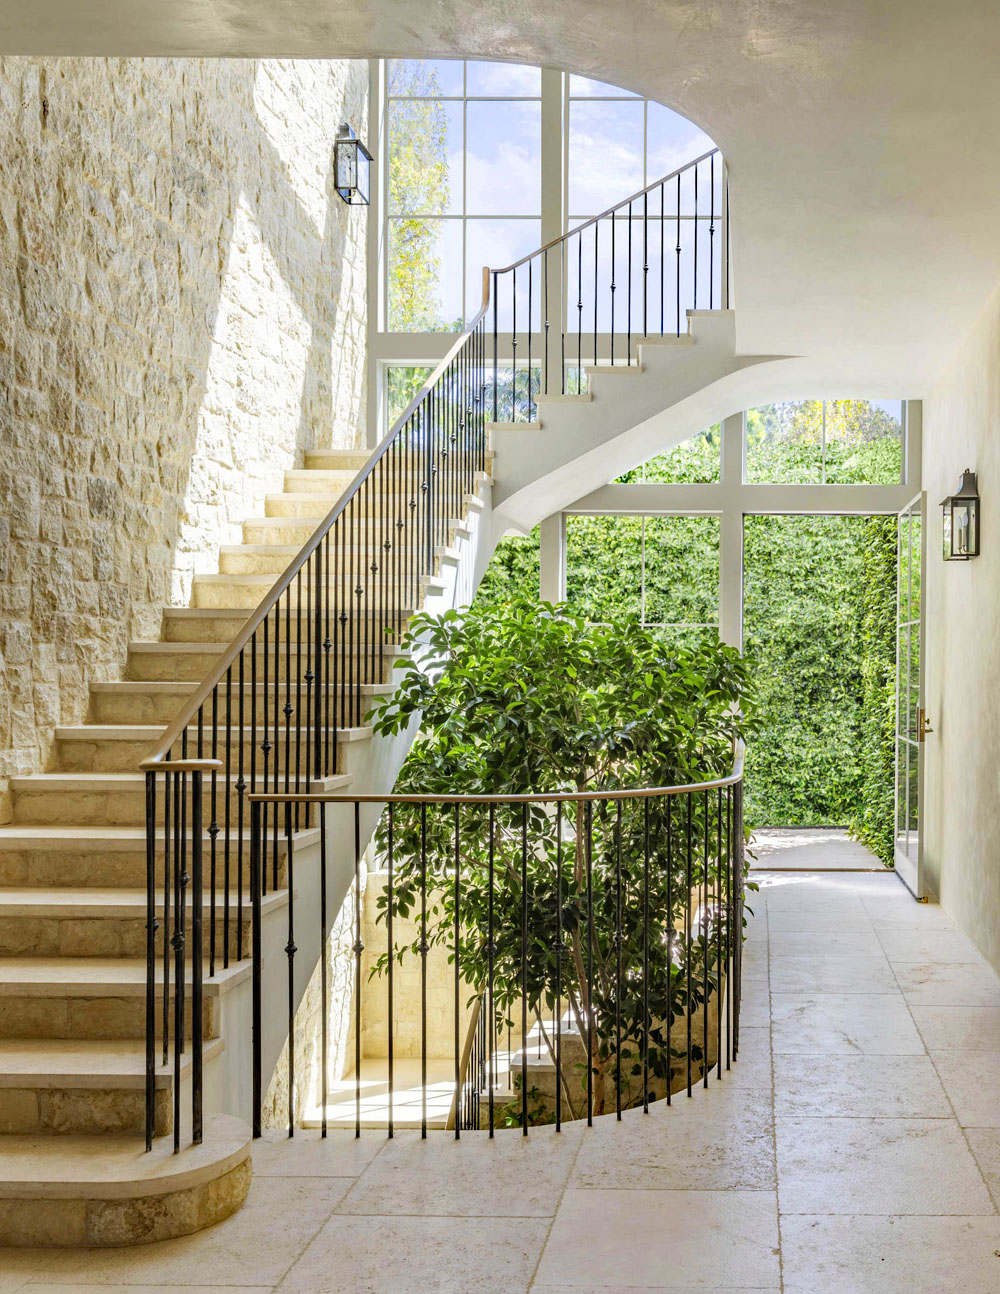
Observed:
{"x":108,"y":838}
{"x":127,"y":781}
{"x":96,"y":976}
{"x":151,"y":731}
{"x":117,"y":1166}
{"x":87,"y":901}
{"x":117,"y":1062}
{"x":181,"y":687}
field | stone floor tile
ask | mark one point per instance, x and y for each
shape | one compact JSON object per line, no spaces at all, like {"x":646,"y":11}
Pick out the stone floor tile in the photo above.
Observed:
{"x":408,"y":1255}
{"x":950,"y":984}
{"x":859,"y":1087}
{"x":887,"y":1255}
{"x":140,"y":1289}
{"x":722,"y":1139}
{"x":843,"y":1024}
{"x":785,"y":943}
{"x":752,"y":1070}
{"x":307,"y":1154}
{"x":280,"y":1218}
{"x":882,"y":1166}
{"x":972,"y":1081}
{"x":820,"y":972}
{"x":508,"y":1176}
{"x":985,"y":1146}
{"x":905,"y":914}
{"x":706,"y":1240}
{"x":817,"y":920}
{"x":959,"y":1028}
{"x":928,"y":945}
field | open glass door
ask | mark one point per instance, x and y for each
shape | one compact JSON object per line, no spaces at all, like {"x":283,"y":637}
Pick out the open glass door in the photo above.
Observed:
{"x":911,"y":723}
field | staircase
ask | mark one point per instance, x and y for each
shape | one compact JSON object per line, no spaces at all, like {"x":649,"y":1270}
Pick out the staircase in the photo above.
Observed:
{"x":73,"y":925}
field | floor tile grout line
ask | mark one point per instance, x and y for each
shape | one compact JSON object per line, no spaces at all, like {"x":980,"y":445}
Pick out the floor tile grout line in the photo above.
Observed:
{"x":555,"y":1211}
{"x":774,"y":1115}
{"x":947,"y":1097}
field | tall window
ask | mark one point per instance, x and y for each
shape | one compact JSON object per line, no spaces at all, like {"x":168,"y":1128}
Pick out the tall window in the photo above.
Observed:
{"x":826,"y":442}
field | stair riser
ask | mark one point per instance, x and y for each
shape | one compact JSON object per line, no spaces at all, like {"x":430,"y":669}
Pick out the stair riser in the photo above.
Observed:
{"x":337,"y":459}
{"x":62,"y":1111}
{"x":86,"y":1018}
{"x":315,"y":503}
{"x":55,"y":936}
{"x":117,"y":808}
{"x":192,"y":667}
{"x":274,"y":530}
{"x":236,"y":593}
{"x":224,"y":628}
{"x":106,"y":756}
{"x":248,"y":561}
{"x":113,"y":870}
{"x":127,"y":707}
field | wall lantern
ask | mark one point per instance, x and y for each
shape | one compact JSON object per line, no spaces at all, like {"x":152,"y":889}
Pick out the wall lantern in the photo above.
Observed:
{"x":352,"y":168}
{"x":961,"y":520}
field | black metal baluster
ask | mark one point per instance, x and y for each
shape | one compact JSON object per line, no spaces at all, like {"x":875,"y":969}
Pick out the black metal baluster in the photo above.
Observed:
{"x":513,"y":345}
{"x":276,"y":730}
{"x":628,"y":347}
{"x":613,"y":289}
{"x":718,"y":935}
{"x":168,"y":883}
{"x":213,"y":827}
{"x":645,"y":261}
{"x":197,"y":967}
{"x":265,"y":745}
{"x":290,"y":949}
{"x":705,"y":943}
{"x":663,"y":226}
{"x":358,"y":950}
{"x":545,"y":275}
{"x":184,"y":878}
{"x":458,"y":975}
{"x":524,"y":970}
{"x":531,"y":323}
{"x":670,"y":946}
{"x":711,"y":233}
{"x":330,"y":753}
{"x":694,"y":277}
{"x":177,"y":943}
{"x":152,"y":926}
{"x":729,"y":924}
{"x":241,"y":783}
{"x":256,"y":884}
{"x":677,"y":266}
{"x":579,"y":312}
{"x":589,"y":860}
{"x":496,"y":392}
{"x":597,"y":227}
{"x":558,"y":952}
{"x":227,"y":837}
{"x":298,"y":681}
{"x":687,"y":933}
{"x":645,"y":955}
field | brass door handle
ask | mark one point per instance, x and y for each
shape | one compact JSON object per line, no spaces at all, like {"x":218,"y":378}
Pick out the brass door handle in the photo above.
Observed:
{"x":923,"y":727}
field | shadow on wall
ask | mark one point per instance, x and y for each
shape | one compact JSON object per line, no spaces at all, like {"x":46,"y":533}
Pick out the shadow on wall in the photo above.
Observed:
{"x":182,"y":314}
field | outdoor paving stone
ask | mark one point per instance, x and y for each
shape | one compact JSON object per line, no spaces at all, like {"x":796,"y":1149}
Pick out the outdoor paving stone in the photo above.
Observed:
{"x":971,"y":1080}
{"x":859,"y":1087}
{"x":843,"y":1024}
{"x":831,"y":973}
{"x":959,"y":1028}
{"x":951,"y":984}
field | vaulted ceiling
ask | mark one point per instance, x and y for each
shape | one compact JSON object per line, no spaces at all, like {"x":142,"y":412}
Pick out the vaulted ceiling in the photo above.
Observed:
{"x":863,"y":136}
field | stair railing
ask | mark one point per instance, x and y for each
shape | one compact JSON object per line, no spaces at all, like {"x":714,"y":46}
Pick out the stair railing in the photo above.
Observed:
{"x":269,"y":714}
{"x":589,"y":297}
{"x":299,"y":669}
{"x":600,"y":930}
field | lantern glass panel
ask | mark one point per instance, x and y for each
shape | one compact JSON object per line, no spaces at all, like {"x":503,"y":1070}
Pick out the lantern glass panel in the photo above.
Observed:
{"x":961,"y":529}
{"x":347,"y":165}
{"x":946,"y":531}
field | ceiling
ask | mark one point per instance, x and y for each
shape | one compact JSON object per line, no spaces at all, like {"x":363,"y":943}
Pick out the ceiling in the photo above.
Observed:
{"x":862,"y":136}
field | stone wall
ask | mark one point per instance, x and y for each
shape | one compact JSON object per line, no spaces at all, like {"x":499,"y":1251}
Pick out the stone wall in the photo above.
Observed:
{"x":182,"y":313}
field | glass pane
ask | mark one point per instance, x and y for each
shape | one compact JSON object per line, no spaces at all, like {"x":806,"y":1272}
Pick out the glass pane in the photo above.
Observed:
{"x":605,"y":155}
{"x":915,"y":565}
{"x":497,"y":244}
{"x":425,"y":157}
{"x":513,"y":571}
{"x":503,"y":159}
{"x":864,"y":441}
{"x":402,"y":384}
{"x":419,"y":76}
{"x":903,"y":568}
{"x":902,"y":794}
{"x":784,"y":442}
{"x":604,"y":566}
{"x":671,"y":142}
{"x":693,"y":461}
{"x":903,"y":682}
{"x":516,"y":393}
{"x":582,"y":87}
{"x":503,"y":80}
{"x":913,"y":798}
{"x":682,"y":570}
{"x":425,"y":275}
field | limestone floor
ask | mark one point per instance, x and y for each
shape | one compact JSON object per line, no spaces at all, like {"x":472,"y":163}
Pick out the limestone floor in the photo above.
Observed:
{"x":855,"y":1148}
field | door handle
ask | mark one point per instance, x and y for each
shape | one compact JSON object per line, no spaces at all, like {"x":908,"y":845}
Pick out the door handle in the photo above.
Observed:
{"x":923,"y":727}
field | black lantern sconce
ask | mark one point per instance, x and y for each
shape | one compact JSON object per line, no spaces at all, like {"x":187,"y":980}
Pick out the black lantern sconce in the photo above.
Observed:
{"x":352,"y":168}
{"x":961,"y":520}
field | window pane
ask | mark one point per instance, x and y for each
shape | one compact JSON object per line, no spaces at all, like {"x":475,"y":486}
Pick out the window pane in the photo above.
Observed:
{"x":402,"y":384}
{"x":503,"y":159}
{"x":425,"y":157}
{"x":497,"y":244}
{"x":582,"y":87}
{"x":694,"y":461}
{"x":605,"y":155}
{"x":604,"y":566}
{"x":425,"y":275}
{"x":418,"y":76}
{"x":784,"y":442}
{"x":682,"y":570}
{"x":864,"y":441}
{"x":503,"y":80}
{"x":671,"y":142}
{"x":513,"y":571}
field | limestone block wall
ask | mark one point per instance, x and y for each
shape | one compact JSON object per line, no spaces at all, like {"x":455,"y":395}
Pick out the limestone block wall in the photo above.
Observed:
{"x":182,"y":314}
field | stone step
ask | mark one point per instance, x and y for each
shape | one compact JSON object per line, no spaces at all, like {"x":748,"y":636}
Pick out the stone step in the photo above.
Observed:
{"x":64,"y":922}
{"x":222,"y":624}
{"x":159,"y":702}
{"x":79,"y":1087}
{"x":192,"y":662}
{"x":274,"y":559}
{"x":249,"y":591}
{"x":337,"y":459}
{"x":87,"y":1191}
{"x":298,"y":531}
{"x":120,"y":748}
{"x":105,"y":799}
{"x":93,"y":997}
{"x":108,"y":857}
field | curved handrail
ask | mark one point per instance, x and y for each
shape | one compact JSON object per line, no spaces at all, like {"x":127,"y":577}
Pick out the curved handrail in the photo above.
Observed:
{"x":217,"y":675}
{"x":592,"y":220}
{"x":553,"y":797}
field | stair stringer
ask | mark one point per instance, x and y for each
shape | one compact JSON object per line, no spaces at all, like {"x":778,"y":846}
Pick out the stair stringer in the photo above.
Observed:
{"x":680,"y":386}
{"x":373,"y":766}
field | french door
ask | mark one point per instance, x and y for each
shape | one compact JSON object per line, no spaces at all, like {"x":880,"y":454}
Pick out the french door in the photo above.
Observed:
{"x":911,"y":720}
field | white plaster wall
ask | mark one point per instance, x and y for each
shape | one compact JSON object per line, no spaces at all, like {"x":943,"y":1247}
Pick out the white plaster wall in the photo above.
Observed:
{"x":962,"y":655}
